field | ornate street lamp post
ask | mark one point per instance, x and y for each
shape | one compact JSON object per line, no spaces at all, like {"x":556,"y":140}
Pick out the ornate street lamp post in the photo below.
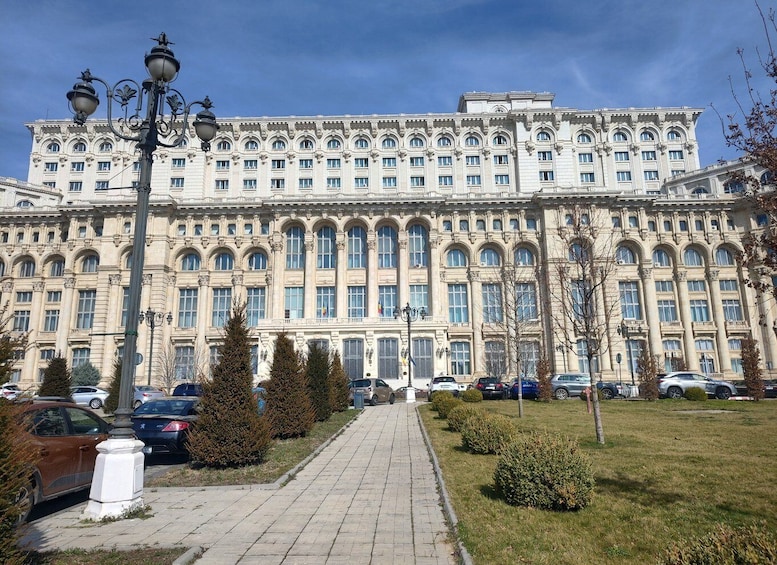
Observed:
{"x":152,"y":319}
{"x":409,"y":315}
{"x":117,"y":485}
{"x":625,"y":331}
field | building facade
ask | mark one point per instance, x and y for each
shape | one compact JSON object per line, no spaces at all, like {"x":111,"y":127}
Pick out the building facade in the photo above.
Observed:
{"x":324,"y":226}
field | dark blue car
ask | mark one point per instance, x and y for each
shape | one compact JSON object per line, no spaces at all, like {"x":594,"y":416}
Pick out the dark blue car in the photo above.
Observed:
{"x":530,"y":388}
{"x":164,"y":425}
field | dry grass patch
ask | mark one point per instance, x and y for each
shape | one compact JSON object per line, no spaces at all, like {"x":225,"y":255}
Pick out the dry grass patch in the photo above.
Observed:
{"x":664,"y":475}
{"x":283,"y":456}
{"x":140,"y":556}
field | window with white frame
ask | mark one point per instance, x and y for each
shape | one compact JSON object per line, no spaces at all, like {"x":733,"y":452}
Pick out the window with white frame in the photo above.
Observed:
{"x":51,"y":321}
{"x":492,"y":303}
{"x":389,"y":182}
{"x":388,"y":356}
{"x":732,"y":310}
{"x":176,"y":182}
{"x":306,"y":163}
{"x":80,"y":356}
{"x":184,"y":363}
{"x":585,"y":158}
{"x":700,"y":311}
{"x":458,"y":309}
{"x":629,"y":298}
{"x":295,"y":248}
{"x":187,"y":307}
{"x":444,"y":161}
{"x":525,"y":301}
{"x":387,"y":247}
{"x":623,"y":176}
{"x":473,"y":180}
{"x":357,"y":301}
{"x":419,"y":296}
{"x":460,"y":358}
{"x":587,"y":178}
{"x":357,"y":248}
{"x":87,"y":300}
{"x":294,"y":302}
{"x":667,"y":310}
{"x":472,"y":160}
{"x":417,"y":246}
{"x":326,"y":250}
{"x":387,"y":300}
{"x":222,"y":300}
{"x":255,"y":305}
{"x":495,"y":359}
{"x":325,"y":302}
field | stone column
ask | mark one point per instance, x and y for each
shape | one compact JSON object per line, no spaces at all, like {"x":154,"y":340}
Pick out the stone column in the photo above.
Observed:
{"x":719,"y":317}
{"x":684,"y":307}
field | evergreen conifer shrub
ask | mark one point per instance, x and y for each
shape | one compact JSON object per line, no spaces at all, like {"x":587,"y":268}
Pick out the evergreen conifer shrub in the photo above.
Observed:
{"x":544,"y":470}
{"x":85,"y":374}
{"x":460,"y":414}
{"x":317,"y":369}
{"x":56,"y":379}
{"x":229,"y":431}
{"x":338,"y":385}
{"x":289,"y":409}
{"x":486,"y":432}
{"x":112,"y":401}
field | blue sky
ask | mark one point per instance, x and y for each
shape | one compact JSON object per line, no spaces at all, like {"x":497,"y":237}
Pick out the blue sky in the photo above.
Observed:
{"x":335,"y":57}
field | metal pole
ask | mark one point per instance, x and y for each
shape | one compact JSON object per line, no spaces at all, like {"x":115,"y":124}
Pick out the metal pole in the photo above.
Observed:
{"x":631,"y":360}
{"x":152,"y":324}
{"x":409,"y":349}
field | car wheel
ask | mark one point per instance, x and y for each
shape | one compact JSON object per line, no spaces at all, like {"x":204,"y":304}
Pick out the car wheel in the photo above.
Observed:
{"x":429,"y":397}
{"x":722,"y":393}
{"x":26,"y":500}
{"x":95,"y":403}
{"x":392,"y":399}
{"x":137,"y":403}
{"x":674,"y":392}
{"x":561,"y":394}
{"x":374,"y":400}
{"x":607,"y":393}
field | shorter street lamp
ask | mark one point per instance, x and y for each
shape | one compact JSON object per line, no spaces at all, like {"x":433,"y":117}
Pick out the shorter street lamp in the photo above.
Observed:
{"x":624,"y":331}
{"x":152,"y":319}
{"x":561,"y":348}
{"x":409,"y":315}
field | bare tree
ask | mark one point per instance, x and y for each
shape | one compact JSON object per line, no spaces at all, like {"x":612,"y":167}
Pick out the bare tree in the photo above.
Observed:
{"x":584,"y":298}
{"x":173,"y":369}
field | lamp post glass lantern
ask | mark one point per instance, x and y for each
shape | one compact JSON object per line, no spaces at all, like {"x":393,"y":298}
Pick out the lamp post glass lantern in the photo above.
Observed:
{"x":409,"y":314}
{"x":164,"y":122}
{"x":152,"y":319}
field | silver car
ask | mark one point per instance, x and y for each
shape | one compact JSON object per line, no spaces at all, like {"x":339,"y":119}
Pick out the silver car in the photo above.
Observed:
{"x":569,"y":384}
{"x":674,"y":385}
{"x":144,"y":393}
{"x":90,"y":396}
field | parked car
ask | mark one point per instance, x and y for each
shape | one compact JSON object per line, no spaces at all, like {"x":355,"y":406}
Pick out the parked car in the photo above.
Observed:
{"x":10,"y":391}
{"x":674,"y":385}
{"x":374,"y":390}
{"x":164,"y":424}
{"x":565,"y":385}
{"x":90,"y":396}
{"x":188,"y":389}
{"x":530,"y":388}
{"x":144,"y":393}
{"x":770,"y":388}
{"x":443,"y":382}
{"x":491,"y":387}
{"x":65,"y":435}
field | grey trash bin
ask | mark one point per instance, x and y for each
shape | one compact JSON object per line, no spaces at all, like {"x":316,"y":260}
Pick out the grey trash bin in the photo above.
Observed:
{"x":358,"y":400}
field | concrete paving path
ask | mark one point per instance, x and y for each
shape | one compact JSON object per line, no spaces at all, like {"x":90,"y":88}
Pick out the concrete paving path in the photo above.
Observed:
{"x":370,"y":497}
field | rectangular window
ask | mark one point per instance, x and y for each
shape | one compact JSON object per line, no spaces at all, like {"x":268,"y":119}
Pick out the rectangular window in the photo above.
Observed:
{"x":50,"y":184}
{"x":387,"y":300}
{"x":697,"y":286}
{"x":727,"y":285}
{"x":504,"y":160}
{"x":176,"y":182}
{"x":250,"y":164}
{"x":732,"y":311}
{"x":278,"y":164}
{"x":51,"y":167}
{"x":525,"y":302}
{"x":623,"y":176}
{"x":249,"y":184}
{"x":444,"y":161}
{"x":305,"y":183}
{"x":277,"y":184}
{"x":75,"y":186}
{"x":187,"y":308}
{"x":629,"y":298}
{"x":667,"y":310}
{"x":458,"y":310}
{"x":361,"y":162}
{"x":502,"y":180}
{"x":103,"y":166}
{"x":389,"y":182}
{"x":255,"y":305}
{"x":333,"y":163}
{"x":294,"y":302}
{"x":325,"y":302}
{"x":353,"y":358}
{"x":222,"y":301}
{"x":80,"y":356}
{"x":648,"y":155}
{"x":445,"y":180}
{"x":587,"y":178}
{"x":676,"y":155}
{"x":178,"y":163}
{"x":390,"y":162}
{"x":223,"y":165}
{"x":621,"y":155}
{"x":86,"y":305}
{"x":492,"y":303}
{"x":222,"y":184}
{"x":388,"y":357}
{"x":333,"y":182}
{"x":357,"y":301}
{"x":460,"y":358}
{"x":24,"y":296}
{"x":419,"y":296}
{"x":77,"y":167}
{"x":651,"y":175}
{"x":585,"y":157}
{"x":101,"y":185}
{"x":546,"y":176}
{"x":416,"y":161}
{"x":51,"y":321}
{"x":21,"y":320}
{"x":547,"y":155}
{"x":306,"y":163}
{"x":184,"y":363}
{"x":361,"y":182}
{"x":472,"y":160}
{"x":664,"y":286}
{"x":417,"y":182}
{"x":700,"y":312}
{"x":473,"y":180}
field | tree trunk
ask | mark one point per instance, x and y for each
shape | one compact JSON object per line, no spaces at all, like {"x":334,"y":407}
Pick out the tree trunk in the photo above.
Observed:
{"x":595,"y":401}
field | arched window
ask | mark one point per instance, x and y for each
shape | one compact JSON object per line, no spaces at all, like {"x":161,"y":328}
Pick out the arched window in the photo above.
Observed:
{"x":128,"y":261}
{"x":389,"y":143}
{"x":90,"y":263}
{"x":700,"y":190}
{"x":361,"y":143}
{"x":257,"y":261}
{"x":524,"y":257}
{"x":295,"y":248}
{"x":325,"y":256}
{"x":333,"y":143}
{"x":416,"y":141}
{"x":57,"y":268}
{"x":278,"y":145}
{"x":731,"y":187}
{"x":2,"y":268}
{"x":190,"y":262}
{"x":619,"y":136}
{"x":661,"y":258}
{"x":52,"y":147}
{"x":489,"y":258}
{"x":471,"y":141}
{"x":456,"y":258}
{"x":24,"y":204}
{"x":500,"y":140}
{"x":673,"y":135}
{"x":357,"y":248}
{"x":569,"y":220}
{"x":306,"y":145}
{"x":387,"y":247}
{"x":767,"y":178}
{"x":577,"y":253}
{"x":692,"y":258}
{"x":27,"y":268}
{"x":646,"y":136}
{"x":625,"y":256}
{"x":584,"y":138}
{"x":223,"y":145}
{"x":417,"y":246}
{"x":79,"y":147}
{"x":251,"y":145}
{"x":224,"y":262}
{"x":724,"y":257}
{"x":543,"y":136}
{"x":444,"y":141}
{"x":106,"y":147}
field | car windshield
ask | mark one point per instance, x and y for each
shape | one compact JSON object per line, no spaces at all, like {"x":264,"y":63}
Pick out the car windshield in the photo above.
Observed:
{"x":173,"y":407}
{"x":360,"y":383}
{"x":444,"y":380}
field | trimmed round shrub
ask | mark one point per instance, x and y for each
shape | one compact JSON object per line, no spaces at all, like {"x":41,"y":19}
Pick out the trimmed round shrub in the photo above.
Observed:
{"x":460,"y":414}
{"x":472,"y":395}
{"x":544,"y":470}
{"x":439,"y":397}
{"x":485,"y":432}
{"x":695,"y":393}
{"x":746,"y":545}
{"x":444,"y":407}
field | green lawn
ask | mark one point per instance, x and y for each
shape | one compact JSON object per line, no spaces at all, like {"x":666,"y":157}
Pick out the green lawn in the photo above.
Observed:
{"x":669,"y":470}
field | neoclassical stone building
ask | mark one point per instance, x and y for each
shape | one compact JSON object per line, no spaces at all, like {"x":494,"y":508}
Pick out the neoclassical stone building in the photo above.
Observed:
{"x":325,"y":225}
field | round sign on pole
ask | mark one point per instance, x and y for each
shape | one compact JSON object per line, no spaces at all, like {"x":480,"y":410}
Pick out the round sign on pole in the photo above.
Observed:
{"x":138,"y":358}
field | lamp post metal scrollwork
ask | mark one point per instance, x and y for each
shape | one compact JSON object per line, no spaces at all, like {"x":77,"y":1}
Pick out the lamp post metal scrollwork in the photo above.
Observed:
{"x":152,"y":319}
{"x":150,"y":130}
{"x":409,"y":314}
